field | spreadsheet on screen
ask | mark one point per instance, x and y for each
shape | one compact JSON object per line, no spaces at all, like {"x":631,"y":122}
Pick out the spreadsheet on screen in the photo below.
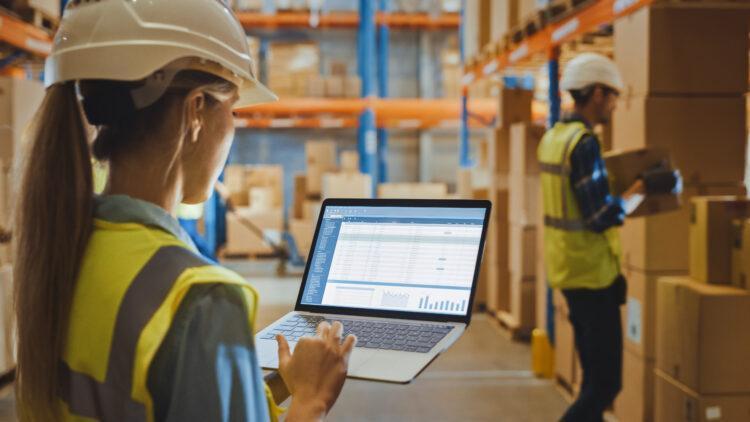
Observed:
{"x":414,"y":259}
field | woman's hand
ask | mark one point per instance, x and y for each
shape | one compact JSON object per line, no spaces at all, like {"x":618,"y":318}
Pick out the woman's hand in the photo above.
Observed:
{"x":316,"y":372}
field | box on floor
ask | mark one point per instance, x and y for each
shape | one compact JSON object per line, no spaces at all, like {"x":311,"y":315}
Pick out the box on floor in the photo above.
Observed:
{"x":644,"y":238}
{"x":243,"y":240}
{"x":640,"y":310}
{"x":711,"y":236}
{"x":659,"y":51}
{"x":675,"y":402}
{"x":690,"y":128}
{"x":636,"y":399}
{"x":700,"y":340}
{"x":498,"y":289}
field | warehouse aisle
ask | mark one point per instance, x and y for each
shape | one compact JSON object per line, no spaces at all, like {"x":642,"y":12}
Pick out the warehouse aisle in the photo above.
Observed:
{"x":483,"y":377}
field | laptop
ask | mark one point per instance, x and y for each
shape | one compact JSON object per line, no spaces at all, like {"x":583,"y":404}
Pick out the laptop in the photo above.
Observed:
{"x":399,"y":274}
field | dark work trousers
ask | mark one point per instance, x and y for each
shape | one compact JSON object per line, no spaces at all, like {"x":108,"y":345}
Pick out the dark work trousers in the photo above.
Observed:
{"x":595,"y":315}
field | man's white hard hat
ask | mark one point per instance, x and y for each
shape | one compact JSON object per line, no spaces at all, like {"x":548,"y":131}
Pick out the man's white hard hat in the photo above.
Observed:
{"x":130,"y":40}
{"x":588,"y":69}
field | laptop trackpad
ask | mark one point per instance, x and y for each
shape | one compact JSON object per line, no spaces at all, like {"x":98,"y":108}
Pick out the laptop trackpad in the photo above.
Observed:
{"x":269,"y":358}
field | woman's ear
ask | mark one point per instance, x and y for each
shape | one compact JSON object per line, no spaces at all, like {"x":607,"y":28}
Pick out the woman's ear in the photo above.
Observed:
{"x":196,"y":107}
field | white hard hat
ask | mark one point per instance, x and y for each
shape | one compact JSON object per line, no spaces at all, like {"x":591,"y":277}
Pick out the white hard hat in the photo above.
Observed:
{"x":590,"y":68}
{"x":130,"y":40}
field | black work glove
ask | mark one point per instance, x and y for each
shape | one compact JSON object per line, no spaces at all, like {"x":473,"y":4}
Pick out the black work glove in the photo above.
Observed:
{"x":661,"y":179}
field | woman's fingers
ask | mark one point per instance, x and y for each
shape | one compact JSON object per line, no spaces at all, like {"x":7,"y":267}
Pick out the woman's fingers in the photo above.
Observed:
{"x":284,"y":353}
{"x":336,"y":330}
{"x":324,"y":329}
{"x":349,"y":343}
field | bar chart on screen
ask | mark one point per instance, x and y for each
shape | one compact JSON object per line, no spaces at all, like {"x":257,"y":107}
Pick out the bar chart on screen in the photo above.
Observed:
{"x":442,"y":305}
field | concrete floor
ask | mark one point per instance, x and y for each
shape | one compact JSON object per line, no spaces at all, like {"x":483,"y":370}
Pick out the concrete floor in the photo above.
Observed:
{"x":484,"y":377}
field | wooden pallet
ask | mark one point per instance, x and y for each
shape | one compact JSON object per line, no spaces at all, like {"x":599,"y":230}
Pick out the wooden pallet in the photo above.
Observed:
{"x":511,"y":326}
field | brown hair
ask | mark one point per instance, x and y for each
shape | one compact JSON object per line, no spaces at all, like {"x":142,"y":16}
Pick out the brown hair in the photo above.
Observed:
{"x":55,"y":210}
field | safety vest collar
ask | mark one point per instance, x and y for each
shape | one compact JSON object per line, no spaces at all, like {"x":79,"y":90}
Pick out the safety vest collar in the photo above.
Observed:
{"x":111,"y":398}
{"x":125,"y":209}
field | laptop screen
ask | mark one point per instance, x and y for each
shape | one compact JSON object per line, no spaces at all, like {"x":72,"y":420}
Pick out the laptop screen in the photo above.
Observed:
{"x":408,"y":259}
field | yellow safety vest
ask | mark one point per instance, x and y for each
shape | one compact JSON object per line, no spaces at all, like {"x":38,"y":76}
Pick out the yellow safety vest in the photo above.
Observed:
{"x":574,"y":256}
{"x":130,"y":286}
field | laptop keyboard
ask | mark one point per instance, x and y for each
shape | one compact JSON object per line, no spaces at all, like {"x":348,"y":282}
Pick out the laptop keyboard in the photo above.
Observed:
{"x":420,"y":338}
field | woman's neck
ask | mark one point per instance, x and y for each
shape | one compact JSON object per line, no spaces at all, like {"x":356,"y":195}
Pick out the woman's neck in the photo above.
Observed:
{"x":147,"y":180}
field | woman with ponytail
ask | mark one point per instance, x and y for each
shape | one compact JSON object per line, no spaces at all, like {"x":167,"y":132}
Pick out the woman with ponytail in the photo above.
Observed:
{"x":118,"y":317}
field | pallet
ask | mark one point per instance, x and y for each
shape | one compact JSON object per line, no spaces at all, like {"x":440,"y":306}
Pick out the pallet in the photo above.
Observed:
{"x":510,"y":325}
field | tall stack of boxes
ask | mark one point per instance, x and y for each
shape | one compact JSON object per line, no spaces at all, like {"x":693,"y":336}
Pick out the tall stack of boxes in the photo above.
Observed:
{"x":702,"y":371}
{"x":523,"y":188}
{"x":674,"y":100}
{"x":514,"y":106}
{"x":293,"y":68}
{"x":324,"y":178}
{"x":257,"y":195}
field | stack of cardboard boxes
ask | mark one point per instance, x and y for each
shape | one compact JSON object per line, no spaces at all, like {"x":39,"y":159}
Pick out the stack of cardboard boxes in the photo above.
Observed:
{"x":337,"y":84}
{"x":514,"y":107}
{"x":324,"y":178}
{"x":676,"y":102}
{"x":256,"y":193}
{"x":702,"y":371}
{"x":523,"y":191}
{"x":293,"y":68}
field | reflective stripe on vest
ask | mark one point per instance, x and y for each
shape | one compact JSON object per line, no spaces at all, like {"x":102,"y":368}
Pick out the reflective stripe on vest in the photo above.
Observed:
{"x":111,"y":399}
{"x":563,"y":170}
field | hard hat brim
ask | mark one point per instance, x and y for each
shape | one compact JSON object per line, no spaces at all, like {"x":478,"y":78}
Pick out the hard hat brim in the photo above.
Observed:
{"x":253,"y":93}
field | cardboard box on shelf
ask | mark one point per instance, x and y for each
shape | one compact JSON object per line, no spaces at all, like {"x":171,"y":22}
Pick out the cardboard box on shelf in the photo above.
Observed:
{"x":636,"y":399}
{"x":347,"y":185}
{"x":524,"y":142}
{"x":302,"y":232}
{"x":243,"y":240}
{"x":498,"y":290}
{"x":300,"y":195}
{"x":499,"y":151}
{"x":311,"y":210}
{"x":624,"y":168}
{"x":651,"y":50}
{"x":514,"y":106}
{"x":19,"y":100}
{"x":644,"y":239}
{"x":478,"y":34}
{"x":565,"y":349}
{"x":262,"y":198}
{"x":639,"y":313}
{"x":352,"y":87}
{"x":524,"y":198}
{"x":741,"y":253}
{"x":290,"y":66}
{"x":320,"y":159}
{"x":349,"y":161}
{"x":698,"y":341}
{"x":316,"y":86}
{"x":412,"y":190}
{"x":522,"y":250}
{"x":503,"y":18}
{"x":676,"y":402}
{"x":684,"y":126}
{"x":464,"y":186}
{"x":711,"y":236}
{"x":334,"y":86}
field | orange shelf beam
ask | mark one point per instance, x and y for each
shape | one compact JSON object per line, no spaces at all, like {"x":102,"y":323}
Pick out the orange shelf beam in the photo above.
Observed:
{"x":585,"y":21}
{"x":24,"y":36}
{"x":390,"y":112}
{"x":252,"y":20}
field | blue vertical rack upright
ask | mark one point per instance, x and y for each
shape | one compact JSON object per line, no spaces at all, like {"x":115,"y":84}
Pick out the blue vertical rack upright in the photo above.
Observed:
{"x":367,"y":141}
{"x":463,"y":148}
{"x":553,"y":69}
{"x":383,"y":40}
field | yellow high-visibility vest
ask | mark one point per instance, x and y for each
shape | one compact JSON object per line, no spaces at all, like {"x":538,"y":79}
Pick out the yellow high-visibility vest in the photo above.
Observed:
{"x":574,"y":256}
{"x":129,"y":288}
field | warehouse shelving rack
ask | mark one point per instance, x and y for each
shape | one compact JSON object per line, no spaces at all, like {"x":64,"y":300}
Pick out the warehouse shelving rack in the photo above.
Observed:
{"x":588,"y":18}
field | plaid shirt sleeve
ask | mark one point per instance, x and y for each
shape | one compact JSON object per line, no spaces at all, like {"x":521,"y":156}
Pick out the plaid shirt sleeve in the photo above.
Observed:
{"x":588,"y":177}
